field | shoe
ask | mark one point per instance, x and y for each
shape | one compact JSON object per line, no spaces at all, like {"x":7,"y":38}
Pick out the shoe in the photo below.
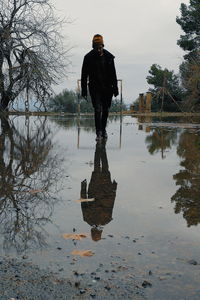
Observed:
{"x":99,"y":136}
{"x":104,"y":135}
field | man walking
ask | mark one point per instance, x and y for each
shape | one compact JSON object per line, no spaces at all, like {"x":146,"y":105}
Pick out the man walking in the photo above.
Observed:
{"x":99,"y":69}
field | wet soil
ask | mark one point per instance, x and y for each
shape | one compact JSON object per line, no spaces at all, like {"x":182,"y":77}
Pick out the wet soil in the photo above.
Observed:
{"x":24,"y":280}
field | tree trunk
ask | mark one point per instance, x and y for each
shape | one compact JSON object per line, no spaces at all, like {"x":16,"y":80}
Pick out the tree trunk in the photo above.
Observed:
{"x":5,"y":102}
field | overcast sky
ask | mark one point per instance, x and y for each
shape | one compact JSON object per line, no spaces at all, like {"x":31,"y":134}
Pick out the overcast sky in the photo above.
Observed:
{"x":138,"y":33}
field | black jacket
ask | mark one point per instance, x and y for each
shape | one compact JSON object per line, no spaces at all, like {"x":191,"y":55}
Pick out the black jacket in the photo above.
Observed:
{"x":90,"y":73}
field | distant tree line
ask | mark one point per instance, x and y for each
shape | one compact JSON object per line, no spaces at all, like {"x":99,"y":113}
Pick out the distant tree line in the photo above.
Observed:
{"x":175,"y":92}
{"x":67,"y":101}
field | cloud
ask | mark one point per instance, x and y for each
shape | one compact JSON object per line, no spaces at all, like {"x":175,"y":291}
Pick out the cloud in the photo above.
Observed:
{"x":138,"y":33}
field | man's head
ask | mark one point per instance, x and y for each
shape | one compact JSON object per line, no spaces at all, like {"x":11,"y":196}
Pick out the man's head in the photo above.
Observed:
{"x":97,"y":43}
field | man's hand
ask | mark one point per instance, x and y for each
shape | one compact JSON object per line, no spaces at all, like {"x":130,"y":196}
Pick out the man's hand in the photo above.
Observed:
{"x":84,"y":95}
{"x":115,"y":92}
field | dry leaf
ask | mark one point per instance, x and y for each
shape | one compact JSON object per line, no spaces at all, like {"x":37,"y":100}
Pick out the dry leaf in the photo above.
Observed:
{"x":82,"y":252}
{"x":74,"y":236}
{"x":85,"y":200}
{"x":34,"y":191}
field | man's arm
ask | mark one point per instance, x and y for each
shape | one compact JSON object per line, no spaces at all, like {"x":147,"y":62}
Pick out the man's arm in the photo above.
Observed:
{"x":114,"y":80}
{"x":84,"y":77}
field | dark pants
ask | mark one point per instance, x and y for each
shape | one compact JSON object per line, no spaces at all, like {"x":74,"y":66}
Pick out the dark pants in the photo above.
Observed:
{"x":101,"y":103}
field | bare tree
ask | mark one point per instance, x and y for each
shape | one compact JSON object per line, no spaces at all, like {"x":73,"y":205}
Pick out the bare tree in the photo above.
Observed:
{"x":32,"y":56}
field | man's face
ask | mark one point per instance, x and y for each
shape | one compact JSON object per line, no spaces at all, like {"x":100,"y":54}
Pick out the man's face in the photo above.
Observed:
{"x":99,"y":49}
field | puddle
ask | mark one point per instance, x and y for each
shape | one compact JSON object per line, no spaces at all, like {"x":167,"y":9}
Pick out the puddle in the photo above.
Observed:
{"x":143,"y":189}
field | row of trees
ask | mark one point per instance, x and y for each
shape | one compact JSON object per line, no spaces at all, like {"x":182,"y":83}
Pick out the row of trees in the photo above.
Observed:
{"x":180,"y":92}
{"x":33,"y":57}
{"x":67,"y":101}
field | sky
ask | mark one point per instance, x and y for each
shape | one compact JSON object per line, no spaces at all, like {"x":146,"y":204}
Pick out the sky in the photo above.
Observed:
{"x":138,"y":33}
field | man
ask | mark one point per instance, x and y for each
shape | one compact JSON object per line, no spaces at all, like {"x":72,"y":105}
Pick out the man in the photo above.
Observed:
{"x":99,"y":69}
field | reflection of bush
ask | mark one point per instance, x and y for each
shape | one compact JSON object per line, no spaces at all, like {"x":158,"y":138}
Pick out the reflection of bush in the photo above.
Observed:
{"x":186,"y":197}
{"x":85,"y":122}
{"x":28,"y":173}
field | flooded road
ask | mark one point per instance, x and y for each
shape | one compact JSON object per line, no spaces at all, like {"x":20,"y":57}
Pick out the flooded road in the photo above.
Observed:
{"x":134,"y":200}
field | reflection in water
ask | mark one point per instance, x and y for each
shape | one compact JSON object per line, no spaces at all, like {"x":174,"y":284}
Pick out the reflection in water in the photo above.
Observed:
{"x":27,"y":173}
{"x":160,"y":140}
{"x":187,"y":197}
{"x":99,"y":212}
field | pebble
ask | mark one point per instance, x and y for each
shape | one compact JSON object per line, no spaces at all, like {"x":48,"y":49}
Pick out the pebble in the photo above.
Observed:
{"x":146,"y":284}
{"x":192,"y":262}
{"x":77,"y":284}
{"x":97,"y":278}
{"x":150,"y":273}
{"x":92,"y":295}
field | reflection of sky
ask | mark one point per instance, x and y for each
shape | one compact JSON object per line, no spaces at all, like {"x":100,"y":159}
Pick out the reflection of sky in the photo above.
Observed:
{"x":145,"y":182}
{"x":142,"y":211}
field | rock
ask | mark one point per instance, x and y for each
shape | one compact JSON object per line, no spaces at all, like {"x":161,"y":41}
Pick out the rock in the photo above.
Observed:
{"x":82,"y":292}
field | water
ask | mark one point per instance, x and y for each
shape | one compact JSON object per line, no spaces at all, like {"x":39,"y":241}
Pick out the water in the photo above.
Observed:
{"x":146,"y":183}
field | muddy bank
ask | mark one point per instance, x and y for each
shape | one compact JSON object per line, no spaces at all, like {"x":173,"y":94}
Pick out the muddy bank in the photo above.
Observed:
{"x":23,"y":280}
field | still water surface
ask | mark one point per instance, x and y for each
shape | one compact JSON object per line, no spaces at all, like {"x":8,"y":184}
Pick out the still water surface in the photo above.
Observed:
{"x":146,"y":183}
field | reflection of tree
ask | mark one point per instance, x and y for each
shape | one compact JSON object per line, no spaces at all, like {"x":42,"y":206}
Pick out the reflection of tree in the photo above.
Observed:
{"x":188,"y":179}
{"x":27,"y":173}
{"x":99,"y":212}
{"x":160,"y":140}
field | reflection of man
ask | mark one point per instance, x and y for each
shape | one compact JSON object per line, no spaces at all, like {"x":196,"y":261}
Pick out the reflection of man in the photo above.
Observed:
{"x":99,"y":212}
